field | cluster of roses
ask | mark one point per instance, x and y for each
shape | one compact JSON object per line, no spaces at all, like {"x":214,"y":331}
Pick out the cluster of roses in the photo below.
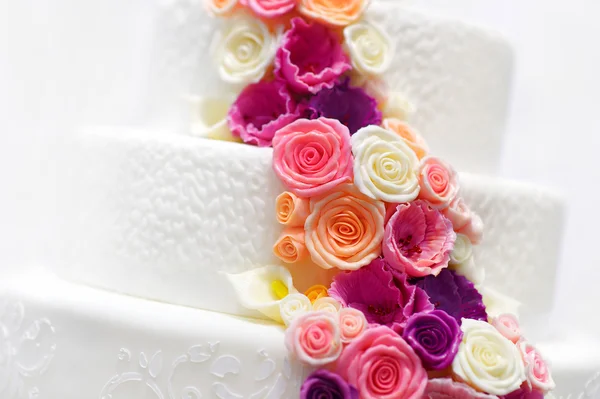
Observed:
{"x":403,"y":318}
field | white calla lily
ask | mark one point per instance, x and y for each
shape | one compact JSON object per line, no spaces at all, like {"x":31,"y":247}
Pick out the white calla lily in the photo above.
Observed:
{"x":209,"y":118}
{"x":497,"y":303}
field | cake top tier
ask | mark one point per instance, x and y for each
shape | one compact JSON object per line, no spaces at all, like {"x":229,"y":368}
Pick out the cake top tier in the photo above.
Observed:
{"x":456,"y":76}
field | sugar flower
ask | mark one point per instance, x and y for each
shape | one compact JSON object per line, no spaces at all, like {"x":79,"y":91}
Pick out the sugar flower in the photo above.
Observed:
{"x":385,"y":168}
{"x":350,"y":105}
{"x":446,"y":388}
{"x":270,"y":8}
{"x":397,"y":106}
{"x":344,"y":229}
{"x":382,"y":366}
{"x":497,"y":303}
{"x":508,"y":325}
{"x":221,"y":7}
{"x":435,"y":337}
{"x":310,"y":58}
{"x":290,"y":247}
{"x":418,"y":240}
{"x":370,"y":48}
{"x":464,"y":220}
{"x":438,"y":181}
{"x":291,"y":210}
{"x":454,"y":295}
{"x":292,"y":306}
{"x":487,"y":361}
{"x":336,"y":13}
{"x":537,"y":371}
{"x":411,"y":136}
{"x":263,"y":289}
{"x":352,"y":324}
{"x":311,"y":157}
{"x":316,"y":292}
{"x":259,"y":111}
{"x":327,"y":304}
{"x":209,"y":118}
{"x":462,"y":260}
{"x":244,"y":49}
{"x":323,"y":384}
{"x":314,"y":339}
{"x":383,"y":297}
{"x":524,"y":392}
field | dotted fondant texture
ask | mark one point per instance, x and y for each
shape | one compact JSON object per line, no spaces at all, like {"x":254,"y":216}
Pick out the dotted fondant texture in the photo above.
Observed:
{"x":163,"y":216}
{"x":456,"y":75}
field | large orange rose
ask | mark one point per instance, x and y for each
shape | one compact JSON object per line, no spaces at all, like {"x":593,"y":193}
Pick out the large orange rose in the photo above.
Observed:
{"x":344,"y":229}
{"x":333,"y":12}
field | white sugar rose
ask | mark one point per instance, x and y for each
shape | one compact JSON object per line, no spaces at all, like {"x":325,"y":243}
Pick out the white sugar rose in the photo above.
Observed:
{"x":244,"y":49}
{"x":385,"y":167}
{"x":292,"y":306}
{"x":462,"y":261}
{"x":487,"y":361}
{"x":370,"y":48}
{"x":497,"y":303}
{"x":398,"y":106}
{"x":327,"y":304}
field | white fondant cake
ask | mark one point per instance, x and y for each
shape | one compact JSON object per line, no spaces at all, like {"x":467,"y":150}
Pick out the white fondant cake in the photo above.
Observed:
{"x":457,"y":76}
{"x":163,"y":217}
{"x":154,"y":216}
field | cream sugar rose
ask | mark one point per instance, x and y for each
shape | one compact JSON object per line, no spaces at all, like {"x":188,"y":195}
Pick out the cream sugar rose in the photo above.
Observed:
{"x":369,"y":203}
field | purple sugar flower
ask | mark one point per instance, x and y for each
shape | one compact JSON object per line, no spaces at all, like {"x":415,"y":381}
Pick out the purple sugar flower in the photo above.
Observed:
{"x":385,"y":298}
{"x":435,"y":338}
{"x":350,"y":105}
{"x":260,"y":110}
{"x":310,"y":57}
{"x":455,"y":295}
{"x":323,"y":384}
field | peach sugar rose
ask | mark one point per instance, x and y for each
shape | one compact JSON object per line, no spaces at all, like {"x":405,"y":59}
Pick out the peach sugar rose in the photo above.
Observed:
{"x":291,"y":210}
{"x":221,"y":7}
{"x":413,"y":138}
{"x":344,"y":229}
{"x":333,"y":12}
{"x":438,"y":181}
{"x":290,"y":247}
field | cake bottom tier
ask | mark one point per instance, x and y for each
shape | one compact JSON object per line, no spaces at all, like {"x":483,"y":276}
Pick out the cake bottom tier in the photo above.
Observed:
{"x":60,"y":340}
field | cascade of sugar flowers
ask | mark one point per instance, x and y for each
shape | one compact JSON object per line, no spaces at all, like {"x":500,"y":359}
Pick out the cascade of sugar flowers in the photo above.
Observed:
{"x":402,"y":315}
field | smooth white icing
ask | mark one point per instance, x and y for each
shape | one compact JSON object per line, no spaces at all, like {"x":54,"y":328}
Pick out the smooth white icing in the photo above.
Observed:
{"x":456,"y":75}
{"x":61,"y":340}
{"x":162,"y":217}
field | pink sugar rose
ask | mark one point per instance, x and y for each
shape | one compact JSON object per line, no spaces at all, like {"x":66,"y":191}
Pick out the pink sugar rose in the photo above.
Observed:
{"x":438,"y":181}
{"x":536,"y":369}
{"x":464,"y":220}
{"x":508,"y":325}
{"x":310,"y":58}
{"x":446,"y":388}
{"x":312,"y":156}
{"x":381,"y":365}
{"x":418,"y":240}
{"x":270,"y":8}
{"x":352,"y":324}
{"x":314,"y":338}
{"x":260,"y":110}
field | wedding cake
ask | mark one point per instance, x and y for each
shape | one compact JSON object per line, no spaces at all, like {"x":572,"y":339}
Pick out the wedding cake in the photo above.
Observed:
{"x":290,"y":222}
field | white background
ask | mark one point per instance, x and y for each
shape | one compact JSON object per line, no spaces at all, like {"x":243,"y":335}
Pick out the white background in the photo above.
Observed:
{"x":51,"y":80}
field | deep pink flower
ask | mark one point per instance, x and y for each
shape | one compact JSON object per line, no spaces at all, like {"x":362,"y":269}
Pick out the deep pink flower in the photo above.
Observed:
{"x":260,"y":110}
{"x":383,"y":296}
{"x":524,"y":392}
{"x":446,"y":388}
{"x":310,"y":57}
{"x":418,"y":239}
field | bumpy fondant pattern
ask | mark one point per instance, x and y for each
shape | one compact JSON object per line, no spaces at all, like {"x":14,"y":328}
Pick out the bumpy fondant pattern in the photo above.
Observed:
{"x":456,"y":74}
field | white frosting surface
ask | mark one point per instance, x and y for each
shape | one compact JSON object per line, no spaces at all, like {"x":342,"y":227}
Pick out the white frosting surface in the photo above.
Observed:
{"x":161,"y":217}
{"x":61,"y":340}
{"x":456,"y":75}
{"x":64,"y":341}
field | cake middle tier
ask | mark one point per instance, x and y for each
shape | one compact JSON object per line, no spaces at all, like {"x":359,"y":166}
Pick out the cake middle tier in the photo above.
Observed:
{"x":165,"y":216}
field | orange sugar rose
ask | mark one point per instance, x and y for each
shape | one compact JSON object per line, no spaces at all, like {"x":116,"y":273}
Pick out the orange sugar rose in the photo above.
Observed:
{"x":413,"y":138}
{"x":315,"y":292}
{"x":291,"y":210}
{"x":290,"y":246}
{"x":333,"y":12}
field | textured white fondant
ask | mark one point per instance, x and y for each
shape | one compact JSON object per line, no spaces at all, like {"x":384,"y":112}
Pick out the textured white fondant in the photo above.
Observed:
{"x":161,"y":217}
{"x":457,"y":76}
{"x":74,"y":342}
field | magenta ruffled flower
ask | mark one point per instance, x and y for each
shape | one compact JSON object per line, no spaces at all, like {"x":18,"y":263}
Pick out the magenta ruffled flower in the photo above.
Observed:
{"x":261,"y":110}
{"x":435,"y":337}
{"x":350,"y":105}
{"x":455,"y":295}
{"x":525,"y":392}
{"x":384,"y":297}
{"x":323,"y":384}
{"x":310,"y":58}
{"x":418,"y":239}
{"x":446,"y":388}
